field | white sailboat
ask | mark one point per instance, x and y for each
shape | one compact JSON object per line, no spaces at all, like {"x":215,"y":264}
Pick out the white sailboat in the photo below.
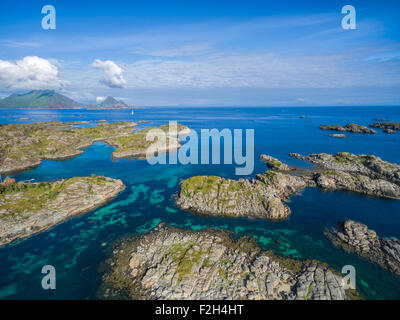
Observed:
{"x":132,"y":112}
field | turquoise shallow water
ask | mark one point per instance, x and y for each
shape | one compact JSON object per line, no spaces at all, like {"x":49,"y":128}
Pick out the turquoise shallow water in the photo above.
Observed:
{"x":78,"y":246}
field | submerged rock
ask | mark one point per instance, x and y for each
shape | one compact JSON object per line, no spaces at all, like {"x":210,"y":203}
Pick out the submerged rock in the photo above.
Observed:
{"x":350,"y":127}
{"x":355,"y":237}
{"x":170,"y":263}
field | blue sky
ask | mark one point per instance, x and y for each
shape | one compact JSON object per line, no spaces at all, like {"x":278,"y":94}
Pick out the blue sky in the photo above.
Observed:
{"x":205,"y":53}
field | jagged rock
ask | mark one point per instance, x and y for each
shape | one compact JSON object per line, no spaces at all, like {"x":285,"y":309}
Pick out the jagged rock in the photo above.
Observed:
{"x":350,"y":127}
{"x":28,"y":208}
{"x":355,"y":237}
{"x":169,"y":263}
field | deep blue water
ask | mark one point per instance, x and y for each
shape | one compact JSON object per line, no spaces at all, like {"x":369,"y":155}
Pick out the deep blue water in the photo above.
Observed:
{"x":78,"y":246}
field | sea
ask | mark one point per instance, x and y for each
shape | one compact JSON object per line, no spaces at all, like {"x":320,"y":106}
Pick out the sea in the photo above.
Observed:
{"x":78,"y":247}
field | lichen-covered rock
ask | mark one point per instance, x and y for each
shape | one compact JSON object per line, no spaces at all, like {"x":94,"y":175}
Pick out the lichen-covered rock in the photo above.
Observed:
{"x":261,"y":197}
{"x":169,"y":263}
{"x":350,"y":127}
{"x":355,"y":237}
{"x":29,"y":208}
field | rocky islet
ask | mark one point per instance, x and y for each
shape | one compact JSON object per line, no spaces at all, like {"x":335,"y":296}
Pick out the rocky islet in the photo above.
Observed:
{"x":264,"y":196}
{"x":170,"y":263}
{"x":356,"y":237}
{"x":29,"y":208}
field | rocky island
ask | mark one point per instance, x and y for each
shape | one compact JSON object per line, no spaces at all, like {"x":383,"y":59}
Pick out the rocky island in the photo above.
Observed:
{"x":28,"y":208}
{"x":169,"y":263}
{"x":387,"y":127}
{"x":136,"y":145}
{"x":350,"y":127}
{"x":262,"y":197}
{"x":24,"y":146}
{"x":337,"y":135}
{"x":355,"y":237}
{"x":366,"y":174}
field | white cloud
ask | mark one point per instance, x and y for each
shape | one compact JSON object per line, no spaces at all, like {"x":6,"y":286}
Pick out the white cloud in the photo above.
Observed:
{"x":100,"y":99}
{"x":112,"y":73}
{"x":30,"y":73}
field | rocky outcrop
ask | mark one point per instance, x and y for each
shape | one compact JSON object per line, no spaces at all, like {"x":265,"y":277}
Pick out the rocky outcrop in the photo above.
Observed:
{"x":366,"y":174}
{"x":389,"y":131}
{"x":274,"y":163}
{"x":262,"y":197}
{"x":350,"y":127}
{"x":355,"y":237}
{"x":29,"y":208}
{"x":388,"y":127}
{"x":169,"y":263}
{"x":337,"y":135}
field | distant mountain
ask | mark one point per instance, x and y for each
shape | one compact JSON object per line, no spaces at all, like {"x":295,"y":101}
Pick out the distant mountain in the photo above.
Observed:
{"x":39,"y":99}
{"x":111,"y":102}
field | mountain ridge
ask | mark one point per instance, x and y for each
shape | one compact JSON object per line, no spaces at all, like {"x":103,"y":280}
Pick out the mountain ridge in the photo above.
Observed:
{"x":52,"y":100}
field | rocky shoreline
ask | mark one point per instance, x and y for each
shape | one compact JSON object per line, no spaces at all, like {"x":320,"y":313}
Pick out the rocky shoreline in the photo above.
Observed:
{"x":355,"y":237}
{"x":170,"y":263}
{"x":29,"y":208}
{"x":264,"y":196}
{"x":25,"y":146}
